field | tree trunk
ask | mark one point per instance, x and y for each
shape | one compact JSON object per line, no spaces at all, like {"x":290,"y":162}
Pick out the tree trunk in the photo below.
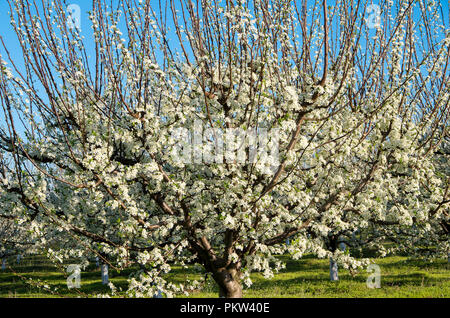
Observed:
{"x":229,"y":283}
{"x":3,"y":264}
{"x":333,"y":270}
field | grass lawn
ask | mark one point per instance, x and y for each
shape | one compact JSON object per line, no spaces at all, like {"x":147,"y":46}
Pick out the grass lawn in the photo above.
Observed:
{"x":308,"y":277}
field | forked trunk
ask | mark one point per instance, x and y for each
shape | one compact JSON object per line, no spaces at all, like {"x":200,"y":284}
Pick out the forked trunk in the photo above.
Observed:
{"x":229,"y":283}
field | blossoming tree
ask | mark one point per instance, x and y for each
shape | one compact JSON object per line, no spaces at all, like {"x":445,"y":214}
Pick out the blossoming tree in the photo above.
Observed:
{"x":90,"y":148}
{"x":428,"y":239}
{"x":13,"y":241}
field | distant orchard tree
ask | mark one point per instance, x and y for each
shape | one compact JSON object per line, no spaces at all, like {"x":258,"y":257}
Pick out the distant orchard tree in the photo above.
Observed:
{"x":430,"y":239}
{"x":210,"y":132}
{"x":14,"y":240}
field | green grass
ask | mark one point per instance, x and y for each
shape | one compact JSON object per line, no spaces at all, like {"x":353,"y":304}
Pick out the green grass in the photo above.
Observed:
{"x":308,"y":277}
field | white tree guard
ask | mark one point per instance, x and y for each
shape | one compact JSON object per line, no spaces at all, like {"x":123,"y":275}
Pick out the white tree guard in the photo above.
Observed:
{"x":3,"y":264}
{"x":333,"y":270}
{"x":105,"y":275}
{"x":159,"y":295}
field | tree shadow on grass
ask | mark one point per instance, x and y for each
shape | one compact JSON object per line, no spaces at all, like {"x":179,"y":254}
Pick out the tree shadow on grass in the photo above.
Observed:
{"x":303,"y":286}
{"x":420,"y":264}
{"x":262,"y":283}
{"x":414,"y":279}
{"x":59,"y":287}
{"x":306,"y":263}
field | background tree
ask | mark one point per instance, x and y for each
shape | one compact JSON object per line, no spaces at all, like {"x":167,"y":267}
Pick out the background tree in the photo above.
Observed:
{"x":427,"y":239}
{"x":93,"y":121}
{"x":14,"y":241}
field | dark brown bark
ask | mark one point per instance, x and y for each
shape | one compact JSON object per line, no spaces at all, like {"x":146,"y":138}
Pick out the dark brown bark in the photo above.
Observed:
{"x":229,"y":282}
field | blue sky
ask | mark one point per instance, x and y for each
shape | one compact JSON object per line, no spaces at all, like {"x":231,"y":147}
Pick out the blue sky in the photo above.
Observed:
{"x":9,"y":37}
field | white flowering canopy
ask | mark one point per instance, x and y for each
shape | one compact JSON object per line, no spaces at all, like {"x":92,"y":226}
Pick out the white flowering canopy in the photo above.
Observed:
{"x":88,"y":138}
